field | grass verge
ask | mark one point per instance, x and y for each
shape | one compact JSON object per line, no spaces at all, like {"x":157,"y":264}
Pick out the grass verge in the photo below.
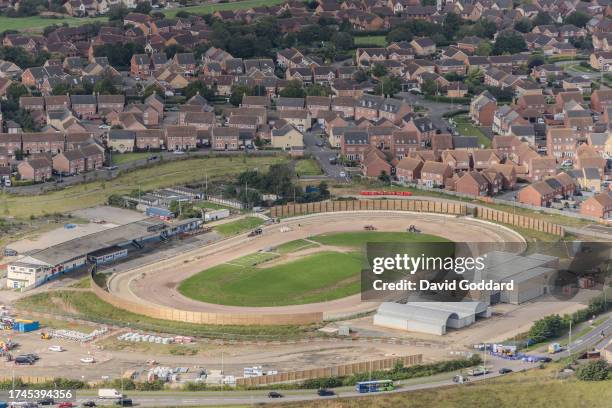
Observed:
{"x":149,"y":178}
{"x":87,"y":306}
{"x":308,"y":167}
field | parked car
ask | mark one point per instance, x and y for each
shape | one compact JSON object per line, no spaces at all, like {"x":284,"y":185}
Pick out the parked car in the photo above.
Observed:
{"x":66,"y":404}
{"x":58,"y":349}
{"x":274,"y":394}
{"x":325,"y":392}
{"x":46,"y":401}
{"x":88,"y":360}
{"x":89,"y":404}
{"x":505,"y":370}
{"x":124,"y":402}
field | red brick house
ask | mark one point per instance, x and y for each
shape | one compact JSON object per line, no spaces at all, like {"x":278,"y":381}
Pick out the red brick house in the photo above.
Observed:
{"x":538,"y":194}
{"x":42,"y":142}
{"x":435,"y":173}
{"x":561,"y":143}
{"x":375,"y":163}
{"x":179,"y":137}
{"x":599,"y":206}
{"x":472,"y":183}
{"x":408,"y":169}
{"x":69,"y":162}
{"x":482,"y":109}
{"x":37,"y":170}
{"x":150,"y":139}
{"x":225,"y":138}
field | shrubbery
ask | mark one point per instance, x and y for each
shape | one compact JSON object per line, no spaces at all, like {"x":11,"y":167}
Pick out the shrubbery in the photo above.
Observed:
{"x":398,"y":373}
{"x":597,"y":370}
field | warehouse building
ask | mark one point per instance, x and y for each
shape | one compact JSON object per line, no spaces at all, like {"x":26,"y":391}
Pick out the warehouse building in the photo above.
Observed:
{"x":106,"y":246}
{"x":531,"y":275}
{"x":429,"y":317}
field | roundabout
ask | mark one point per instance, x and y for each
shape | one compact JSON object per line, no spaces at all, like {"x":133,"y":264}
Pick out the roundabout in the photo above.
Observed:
{"x":160,"y":289}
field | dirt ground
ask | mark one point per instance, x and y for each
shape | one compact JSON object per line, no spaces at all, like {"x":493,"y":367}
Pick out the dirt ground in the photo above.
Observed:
{"x":114,"y":357}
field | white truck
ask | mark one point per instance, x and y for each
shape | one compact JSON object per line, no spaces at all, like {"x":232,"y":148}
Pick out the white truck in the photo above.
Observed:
{"x":109,"y":393}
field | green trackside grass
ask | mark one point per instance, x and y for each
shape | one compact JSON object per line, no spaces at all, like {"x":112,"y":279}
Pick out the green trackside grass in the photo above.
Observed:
{"x":359,"y":239}
{"x":163,"y":174}
{"x":378,"y":40}
{"x":294,"y":246}
{"x":239,"y":226}
{"x":308,"y":167}
{"x":314,"y":278}
{"x":87,"y":306}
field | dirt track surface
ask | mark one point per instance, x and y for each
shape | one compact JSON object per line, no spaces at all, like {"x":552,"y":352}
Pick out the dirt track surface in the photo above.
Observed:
{"x":157,"y":283}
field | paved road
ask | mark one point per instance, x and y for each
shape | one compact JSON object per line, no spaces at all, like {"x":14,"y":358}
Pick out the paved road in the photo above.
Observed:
{"x":217,"y":398}
{"x":594,"y":338}
{"x":323,"y":154}
{"x":436,"y":110}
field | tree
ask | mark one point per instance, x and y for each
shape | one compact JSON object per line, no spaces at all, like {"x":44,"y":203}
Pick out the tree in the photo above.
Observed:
{"x":451,"y":25}
{"x":105,"y":86}
{"x":238,"y":92}
{"x":379,"y":70}
{"x":523,"y":25}
{"x":542,"y":18}
{"x":429,"y":87}
{"x":484,"y":49}
{"x":596,"y":370}
{"x":154,"y":88}
{"x":143,"y":7}
{"x":399,"y":34}
{"x":15,"y":91}
{"x":174,"y":49}
{"x":384,"y":177}
{"x":509,"y":42}
{"x":118,"y":56}
{"x":318,"y":90}
{"x":294,"y":89}
{"x":117,"y":13}
{"x":61,"y":89}
{"x":343,"y":41}
{"x":360,"y":75}
{"x":535,"y":61}
{"x":198,"y":87}
{"x":578,"y":18}
{"x":546,"y":328}
{"x":389,"y":86}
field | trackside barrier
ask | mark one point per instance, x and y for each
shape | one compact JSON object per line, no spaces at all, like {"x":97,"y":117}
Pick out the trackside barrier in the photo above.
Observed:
{"x":332,"y":371}
{"x":187,"y":316}
{"x":517,"y":220}
{"x":430,"y":206}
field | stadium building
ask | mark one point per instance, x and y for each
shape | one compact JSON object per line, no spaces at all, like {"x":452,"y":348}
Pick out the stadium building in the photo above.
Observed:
{"x":106,"y":246}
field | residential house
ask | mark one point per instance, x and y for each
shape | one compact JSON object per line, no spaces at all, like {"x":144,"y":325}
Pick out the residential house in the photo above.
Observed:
{"x":435,"y":174}
{"x":37,"y":170}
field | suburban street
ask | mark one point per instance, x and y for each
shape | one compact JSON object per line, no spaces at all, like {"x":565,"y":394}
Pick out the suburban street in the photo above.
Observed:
{"x":322,"y":153}
{"x":436,"y":110}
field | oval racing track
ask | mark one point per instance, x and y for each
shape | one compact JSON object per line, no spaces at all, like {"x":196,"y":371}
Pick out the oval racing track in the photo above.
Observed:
{"x":156,"y":284}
